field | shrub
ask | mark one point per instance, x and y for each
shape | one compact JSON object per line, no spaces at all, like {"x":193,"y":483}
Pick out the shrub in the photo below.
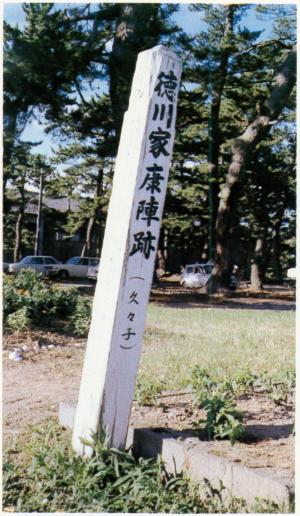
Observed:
{"x":147,"y":391}
{"x":64,"y":300}
{"x":200,"y":379}
{"x":12,"y":296}
{"x":280,"y":388}
{"x":81,"y":316}
{"x":19,"y":320}
{"x":204,"y":385}
{"x":243,"y":381}
{"x":223,"y":420}
{"x":28,"y":298}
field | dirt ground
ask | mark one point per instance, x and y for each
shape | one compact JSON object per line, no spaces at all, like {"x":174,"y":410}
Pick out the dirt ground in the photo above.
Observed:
{"x":50,"y":373}
{"x":272,"y":297}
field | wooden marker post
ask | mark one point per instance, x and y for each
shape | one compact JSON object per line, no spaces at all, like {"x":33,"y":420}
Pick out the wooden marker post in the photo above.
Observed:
{"x":129,"y":250}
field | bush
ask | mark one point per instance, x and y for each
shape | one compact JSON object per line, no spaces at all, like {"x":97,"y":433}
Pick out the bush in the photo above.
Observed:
{"x":204,"y":385}
{"x":19,"y":320}
{"x":223,"y":420}
{"x":29,"y":299}
{"x":81,"y":317}
{"x":147,"y":391}
{"x":280,"y":388}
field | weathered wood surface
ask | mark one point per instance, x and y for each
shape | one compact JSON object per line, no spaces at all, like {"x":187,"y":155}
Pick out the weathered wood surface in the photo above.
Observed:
{"x":129,"y":249}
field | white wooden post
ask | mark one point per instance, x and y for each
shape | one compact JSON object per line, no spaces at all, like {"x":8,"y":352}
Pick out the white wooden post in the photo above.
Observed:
{"x":129,"y":250}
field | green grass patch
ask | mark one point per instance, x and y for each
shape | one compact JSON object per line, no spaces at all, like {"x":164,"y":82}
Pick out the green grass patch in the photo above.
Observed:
{"x":43,"y":474}
{"x":224,"y":341}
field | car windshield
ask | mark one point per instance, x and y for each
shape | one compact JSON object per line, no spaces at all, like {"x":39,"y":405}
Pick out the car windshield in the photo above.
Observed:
{"x":74,"y":260}
{"x":83,"y":261}
{"x":189,"y":269}
{"x":27,"y":259}
{"x":199,"y":269}
{"x":36,"y":260}
{"x":49,"y":259}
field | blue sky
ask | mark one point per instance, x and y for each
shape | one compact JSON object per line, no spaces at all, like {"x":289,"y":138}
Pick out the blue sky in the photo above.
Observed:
{"x":190,"y":21}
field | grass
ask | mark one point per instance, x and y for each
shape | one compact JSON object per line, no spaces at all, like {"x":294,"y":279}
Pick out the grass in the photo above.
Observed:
{"x":221,"y":340}
{"x":43,"y":474}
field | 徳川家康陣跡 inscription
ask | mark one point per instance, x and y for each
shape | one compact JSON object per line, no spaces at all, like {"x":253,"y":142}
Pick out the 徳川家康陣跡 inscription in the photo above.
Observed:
{"x":129,"y":249}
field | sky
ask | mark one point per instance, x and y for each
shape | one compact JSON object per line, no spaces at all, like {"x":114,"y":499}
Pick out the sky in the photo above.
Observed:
{"x":191,"y":22}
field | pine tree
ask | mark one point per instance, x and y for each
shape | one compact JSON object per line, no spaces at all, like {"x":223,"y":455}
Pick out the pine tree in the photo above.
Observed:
{"x":95,"y":120}
{"x":242,"y":149}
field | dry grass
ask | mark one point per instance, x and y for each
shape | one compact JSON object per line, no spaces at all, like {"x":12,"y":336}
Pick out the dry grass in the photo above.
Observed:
{"x":223,"y":340}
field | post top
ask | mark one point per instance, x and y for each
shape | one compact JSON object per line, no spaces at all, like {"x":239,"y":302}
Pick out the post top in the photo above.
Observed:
{"x":161,"y":49}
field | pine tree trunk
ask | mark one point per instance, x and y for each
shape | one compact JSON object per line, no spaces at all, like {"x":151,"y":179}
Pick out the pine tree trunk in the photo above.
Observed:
{"x":214,"y":131}
{"x":276,"y":247}
{"x":10,"y":131}
{"x":91,"y":223}
{"x":122,"y":63}
{"x":18,"y":239}
{"x":19,"y":224}
{"x":155,"y":279}
{"x":9,"y":137}
{"x":88,"y":238}
{"x":38,"y":242}
{"x":241,"y":152}
{"x":256,"y":266}
{"x":161,"y":260}
{"x":99,"y":240}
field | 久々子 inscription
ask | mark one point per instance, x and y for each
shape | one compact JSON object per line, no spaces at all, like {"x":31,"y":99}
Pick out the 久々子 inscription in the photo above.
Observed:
{"x":129,"y":249}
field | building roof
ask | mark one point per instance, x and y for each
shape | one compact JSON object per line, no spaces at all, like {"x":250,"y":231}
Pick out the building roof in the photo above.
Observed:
{"x":61,"y":205}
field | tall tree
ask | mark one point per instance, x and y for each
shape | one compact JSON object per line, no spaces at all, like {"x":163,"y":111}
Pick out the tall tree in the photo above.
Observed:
{"x":215,"y":92}
{"x":242,"y":148}
{"x":138,"y":27}
{"x":24,"y":176}
{"x":95,"y":120}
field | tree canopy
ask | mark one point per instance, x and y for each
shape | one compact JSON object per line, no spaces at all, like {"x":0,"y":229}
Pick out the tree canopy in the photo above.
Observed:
{"x":231,"y":193}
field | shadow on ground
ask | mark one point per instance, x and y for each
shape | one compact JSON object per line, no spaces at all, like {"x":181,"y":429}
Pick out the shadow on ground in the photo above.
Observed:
{"x":175,"y":296}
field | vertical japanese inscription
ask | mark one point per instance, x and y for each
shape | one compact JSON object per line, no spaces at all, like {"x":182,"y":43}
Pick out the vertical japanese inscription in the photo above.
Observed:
{"x":128,"y":253}
{"x":149,"y":199}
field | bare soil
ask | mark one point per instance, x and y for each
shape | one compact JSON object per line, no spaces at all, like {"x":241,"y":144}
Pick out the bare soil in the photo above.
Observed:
{"x":271,"y":297}
{"x":268,"y":443}
{"x":46,"y":376}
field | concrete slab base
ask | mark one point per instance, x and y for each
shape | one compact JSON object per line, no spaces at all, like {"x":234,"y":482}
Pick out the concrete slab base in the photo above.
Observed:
{"x":188,"y":454}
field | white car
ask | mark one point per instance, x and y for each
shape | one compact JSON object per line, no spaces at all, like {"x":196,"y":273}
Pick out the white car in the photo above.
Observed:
{"x":196,"y":275}
{"x":292,"y":273}
{"x":5,"y":266}
{"x":41,"y":264}
{"x":93,"y":272}
{"x":75,"y":267}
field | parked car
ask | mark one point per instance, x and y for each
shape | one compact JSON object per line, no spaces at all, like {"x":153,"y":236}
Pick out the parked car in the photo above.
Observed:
{"x":42,"y":264}
{"x":75,"y":267}
{"x":93,"y":272}
{"x":196,"y":275}
{"x":292,"y":273}
{"x":292,"y":277}
{"x":5,"y":266}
